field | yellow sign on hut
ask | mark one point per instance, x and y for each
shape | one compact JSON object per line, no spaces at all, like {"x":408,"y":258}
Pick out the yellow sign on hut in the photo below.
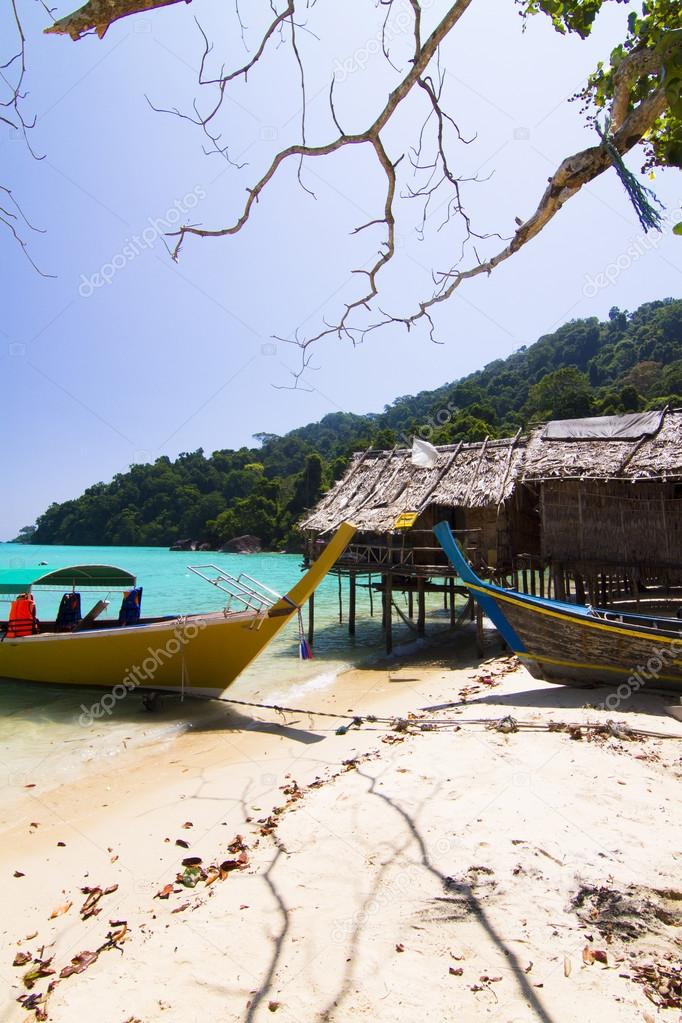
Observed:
{"x":406,"y":520}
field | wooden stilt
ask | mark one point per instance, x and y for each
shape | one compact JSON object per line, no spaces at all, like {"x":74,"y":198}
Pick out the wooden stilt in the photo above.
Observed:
{"x":410,"y":604}
{"x":451,"y":595}
{"x":371,"y":596}
{"x":579,"y":589}
{"x":479,"y":631}
{"x":421,"y":608}
{"x":388,"y":612}
{"x":311,"y":619}
{"x":351,"y":605}
{"x":340,"y":602}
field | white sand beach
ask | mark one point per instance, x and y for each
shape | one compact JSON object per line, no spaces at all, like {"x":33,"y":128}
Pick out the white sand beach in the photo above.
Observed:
{"x":434,"y":868}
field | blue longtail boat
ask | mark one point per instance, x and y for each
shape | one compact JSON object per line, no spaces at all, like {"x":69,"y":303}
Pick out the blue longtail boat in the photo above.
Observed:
{"x":573,"y":643}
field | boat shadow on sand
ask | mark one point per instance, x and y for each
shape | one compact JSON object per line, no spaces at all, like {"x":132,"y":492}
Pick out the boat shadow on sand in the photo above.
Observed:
{"x":48,"y":706}
{"x":550,"y":696}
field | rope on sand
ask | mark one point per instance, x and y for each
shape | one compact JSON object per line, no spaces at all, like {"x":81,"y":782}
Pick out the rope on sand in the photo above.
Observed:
{"x":505,"y":725}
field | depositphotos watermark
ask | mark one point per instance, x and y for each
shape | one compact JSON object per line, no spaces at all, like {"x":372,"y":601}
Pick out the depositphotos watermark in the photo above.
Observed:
{"x":142,"y":674}
{"x":638,"y":247}
{"x":133,"y":247}
{"x":661,"y":658}
{"x":396,"y":26}
{"x":426,"y":429}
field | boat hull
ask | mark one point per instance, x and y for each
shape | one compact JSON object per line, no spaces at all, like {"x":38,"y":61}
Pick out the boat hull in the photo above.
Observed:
{"x":558,"y":646}
{"x":568,"y":643}
{"x":200,"y":652}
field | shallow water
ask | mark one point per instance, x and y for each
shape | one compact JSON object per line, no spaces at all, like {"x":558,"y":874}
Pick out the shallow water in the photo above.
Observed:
{"x":41,"y":739}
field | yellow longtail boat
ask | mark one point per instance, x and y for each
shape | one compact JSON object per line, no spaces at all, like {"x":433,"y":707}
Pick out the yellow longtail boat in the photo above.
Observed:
{"x":200,"y":654}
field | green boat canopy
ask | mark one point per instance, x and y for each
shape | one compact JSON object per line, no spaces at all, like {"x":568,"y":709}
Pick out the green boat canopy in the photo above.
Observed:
{"x":101,"y":577}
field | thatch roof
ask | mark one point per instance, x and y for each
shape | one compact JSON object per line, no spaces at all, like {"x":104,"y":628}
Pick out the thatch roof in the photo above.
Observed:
{"x":655,"y":454}
{"x":381,"y":485}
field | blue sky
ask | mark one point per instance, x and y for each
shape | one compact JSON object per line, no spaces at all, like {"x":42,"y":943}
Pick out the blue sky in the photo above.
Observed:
{"x":167,"y":357}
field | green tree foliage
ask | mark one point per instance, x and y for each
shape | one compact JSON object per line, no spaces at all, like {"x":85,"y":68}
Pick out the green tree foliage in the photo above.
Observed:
{"x":630,"y":362}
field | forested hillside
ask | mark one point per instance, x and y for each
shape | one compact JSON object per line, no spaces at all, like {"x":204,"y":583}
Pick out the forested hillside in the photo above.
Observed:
{"x":633,"y":361}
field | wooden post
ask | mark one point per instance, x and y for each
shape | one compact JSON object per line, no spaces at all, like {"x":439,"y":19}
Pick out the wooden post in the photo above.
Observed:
{"x":410,"y":604}
{"x":311,"y":619}
{"x":351,"y":606}
{"x":451,"y":588}
{"x":371,"y":596}
{"x":388,"y":614}
{"x":421,"y":607}
{"x":479,"y":631}
{"x":340,"y":602}
{"x":579,"y":589}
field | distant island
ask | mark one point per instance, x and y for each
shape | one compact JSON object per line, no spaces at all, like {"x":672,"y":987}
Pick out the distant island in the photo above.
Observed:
{"x":630,"y":362}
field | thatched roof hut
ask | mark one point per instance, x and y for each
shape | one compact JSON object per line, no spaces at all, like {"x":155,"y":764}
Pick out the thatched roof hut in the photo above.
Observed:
{"x":610,"y":493}
{"x":605,"y":491}
{"x":381,"y":486}
{"x":633,"y":447}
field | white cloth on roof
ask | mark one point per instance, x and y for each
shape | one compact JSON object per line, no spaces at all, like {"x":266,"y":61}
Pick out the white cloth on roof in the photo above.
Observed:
{"x":424,"y":455}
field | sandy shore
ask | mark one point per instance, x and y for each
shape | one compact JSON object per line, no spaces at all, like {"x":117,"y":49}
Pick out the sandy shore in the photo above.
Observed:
{"x":432,"y":867}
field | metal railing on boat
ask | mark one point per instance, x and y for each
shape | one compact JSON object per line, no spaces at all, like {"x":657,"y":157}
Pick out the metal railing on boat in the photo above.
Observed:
{"x":252,"y":594}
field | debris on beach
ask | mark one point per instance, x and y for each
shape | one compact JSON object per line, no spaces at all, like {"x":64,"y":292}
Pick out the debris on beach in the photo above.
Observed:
{"x":90,"y":907}
{"x":661,"y":980}
{"x":165,"y":892}
{"x":629,"y":914}
{"x":79,"y":963}
{"x":506,"y":725}
{"x":39,"y":969}
{"x":594,"y":955}
{"x":60,"y":910}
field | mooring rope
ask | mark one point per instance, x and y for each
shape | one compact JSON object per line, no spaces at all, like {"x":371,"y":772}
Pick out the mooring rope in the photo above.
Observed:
{"x":506,"y":724}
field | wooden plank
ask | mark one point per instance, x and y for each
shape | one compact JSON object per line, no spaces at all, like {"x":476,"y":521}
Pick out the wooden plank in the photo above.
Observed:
{"x":512,"y":445}
{"x":474,"y":474}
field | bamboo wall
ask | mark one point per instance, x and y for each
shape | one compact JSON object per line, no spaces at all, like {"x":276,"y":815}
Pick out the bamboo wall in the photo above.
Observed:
{"x":615,"y":523}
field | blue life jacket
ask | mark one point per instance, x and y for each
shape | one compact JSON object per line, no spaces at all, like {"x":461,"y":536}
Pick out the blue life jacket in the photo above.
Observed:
{"x":130,"y":607}
{"x":69,"y":614}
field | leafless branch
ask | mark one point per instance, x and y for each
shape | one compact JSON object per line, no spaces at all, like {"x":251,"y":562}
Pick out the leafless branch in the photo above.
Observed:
{"x":13,"y":76}
{"x":432,"y":159}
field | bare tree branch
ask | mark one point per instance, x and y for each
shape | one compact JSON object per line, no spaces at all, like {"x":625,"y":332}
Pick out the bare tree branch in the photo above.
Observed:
{"x":13,"y":76}
{"x":371,"y":135}
{"x":629,"y":119}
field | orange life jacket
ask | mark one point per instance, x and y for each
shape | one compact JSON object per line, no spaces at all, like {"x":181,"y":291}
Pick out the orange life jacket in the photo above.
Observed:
{"x":22,"y":617}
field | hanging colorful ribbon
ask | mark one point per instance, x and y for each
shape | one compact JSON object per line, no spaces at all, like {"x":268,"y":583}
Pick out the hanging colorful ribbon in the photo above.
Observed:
{"x":304,"y":651}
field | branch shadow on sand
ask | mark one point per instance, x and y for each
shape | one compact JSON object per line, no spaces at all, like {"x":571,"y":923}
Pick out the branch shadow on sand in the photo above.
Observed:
{"x":458,"y":898}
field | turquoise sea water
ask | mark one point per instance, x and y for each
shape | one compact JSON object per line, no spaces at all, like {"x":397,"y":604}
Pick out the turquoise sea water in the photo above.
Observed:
{"x":41,"y":740}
